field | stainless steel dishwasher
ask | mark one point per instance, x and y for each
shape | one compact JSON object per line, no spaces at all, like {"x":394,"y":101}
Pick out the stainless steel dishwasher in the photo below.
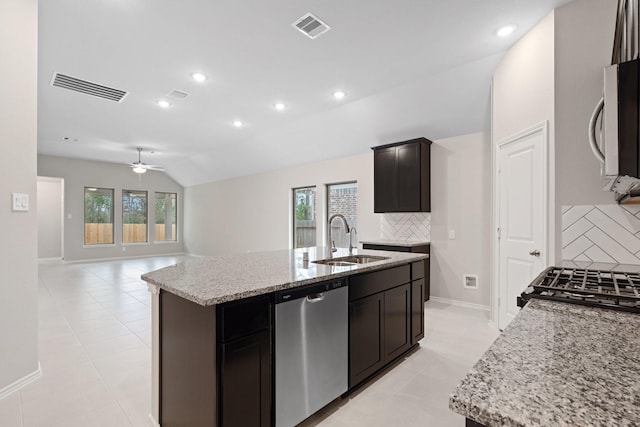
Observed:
{"x":311,"y":349}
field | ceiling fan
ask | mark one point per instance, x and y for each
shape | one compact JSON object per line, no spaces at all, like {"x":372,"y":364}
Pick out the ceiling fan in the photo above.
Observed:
{"x":140,"y":167}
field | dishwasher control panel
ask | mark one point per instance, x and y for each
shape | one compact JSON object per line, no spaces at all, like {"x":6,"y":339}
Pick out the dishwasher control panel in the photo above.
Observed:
{"x":303,"y":291}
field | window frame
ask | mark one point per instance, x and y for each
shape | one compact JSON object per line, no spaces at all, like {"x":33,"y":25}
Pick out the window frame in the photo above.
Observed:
{"x":112,"y":217}
{"x":327,"y":190}
{"x":146,"y":217}
{"x":155,"y":236}
{"x":294,"y":235}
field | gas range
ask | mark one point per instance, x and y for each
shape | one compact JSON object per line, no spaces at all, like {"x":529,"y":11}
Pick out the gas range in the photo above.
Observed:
{"x":596,"y":288}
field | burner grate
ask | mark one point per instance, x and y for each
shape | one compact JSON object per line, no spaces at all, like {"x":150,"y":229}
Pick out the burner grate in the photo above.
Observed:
{"x":599,"y":288}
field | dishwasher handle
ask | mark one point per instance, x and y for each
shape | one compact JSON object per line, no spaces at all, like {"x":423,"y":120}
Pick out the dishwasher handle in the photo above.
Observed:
{"x":315,"y":297}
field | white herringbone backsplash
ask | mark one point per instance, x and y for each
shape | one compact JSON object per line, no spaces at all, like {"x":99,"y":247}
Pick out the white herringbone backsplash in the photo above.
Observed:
{"x":406,"y":226}
{"x":601,"y":233}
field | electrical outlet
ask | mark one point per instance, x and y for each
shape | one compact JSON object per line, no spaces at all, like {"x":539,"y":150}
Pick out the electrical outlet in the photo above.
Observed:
{"x":452,"y":234}
{"x":470,"y":281}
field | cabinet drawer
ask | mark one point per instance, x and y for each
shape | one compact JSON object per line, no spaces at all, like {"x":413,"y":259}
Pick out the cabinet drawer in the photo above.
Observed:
{"x":417,"y":270}
{"x":366,"y":284}
{"x":241,"y":318}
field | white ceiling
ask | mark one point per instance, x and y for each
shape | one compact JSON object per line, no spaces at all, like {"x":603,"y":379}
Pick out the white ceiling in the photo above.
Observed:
{"x":410,"y":68}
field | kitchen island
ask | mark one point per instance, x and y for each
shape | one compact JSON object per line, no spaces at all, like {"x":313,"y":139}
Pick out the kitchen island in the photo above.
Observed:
{"x":213,"y":327}
{"x":557,"y":364}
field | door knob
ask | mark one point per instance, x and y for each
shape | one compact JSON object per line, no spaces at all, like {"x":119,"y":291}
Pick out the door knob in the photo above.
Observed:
{"x":534,"y":252}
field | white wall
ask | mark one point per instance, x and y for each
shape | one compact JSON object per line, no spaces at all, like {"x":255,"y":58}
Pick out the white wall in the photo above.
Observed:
{"x":18,"y":133}
{"x":523,"y":83}
{"x":524,"y":96}
{"x":253,"y":213}
{"x":49,"y":217}
{"x":79,"y":174}
{"x":460,"y":187}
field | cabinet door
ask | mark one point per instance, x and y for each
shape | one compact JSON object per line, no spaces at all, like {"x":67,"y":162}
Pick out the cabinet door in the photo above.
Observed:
{"x":409,"y":178}
{"x":417,"y":310}
{"x":366,"y":334}
{"x":245,"y":381}
{"x":397,"y":321}
{"x":385,"y":177}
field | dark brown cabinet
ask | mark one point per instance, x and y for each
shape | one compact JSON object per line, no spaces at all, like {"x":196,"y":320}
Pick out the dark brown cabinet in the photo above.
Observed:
{"x":417,"y":310}
{"x":245,"y":374}
{"x":366,"y":337}
{"x":418,"y":249}
{"x":397,"y":321}
{"x":245,"y":382}
{"x":380,"y":319}
{"x":402,"y":176}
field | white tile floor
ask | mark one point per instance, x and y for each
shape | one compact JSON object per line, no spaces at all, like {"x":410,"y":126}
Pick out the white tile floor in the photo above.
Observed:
{"x":95,"y":355}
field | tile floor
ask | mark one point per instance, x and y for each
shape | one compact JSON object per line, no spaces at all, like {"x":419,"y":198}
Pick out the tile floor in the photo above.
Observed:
{"x":95,"y":355}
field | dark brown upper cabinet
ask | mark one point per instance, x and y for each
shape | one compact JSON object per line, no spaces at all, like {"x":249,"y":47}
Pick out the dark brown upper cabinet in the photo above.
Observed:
{"x":402,"y":176}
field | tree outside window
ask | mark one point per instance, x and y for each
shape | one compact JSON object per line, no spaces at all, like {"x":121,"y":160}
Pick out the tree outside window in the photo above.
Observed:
{"x":166,"y":208}
{"x":304,"y":214}
{"x":134,"y":216}
{"x":98,"y":216}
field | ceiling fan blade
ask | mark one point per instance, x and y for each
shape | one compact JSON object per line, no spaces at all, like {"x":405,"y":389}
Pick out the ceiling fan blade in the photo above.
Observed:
{"x":155,"y":168}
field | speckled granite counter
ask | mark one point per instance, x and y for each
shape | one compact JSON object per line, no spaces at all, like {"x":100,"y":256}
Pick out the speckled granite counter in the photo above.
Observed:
{"x":214,"y":280}
{"x":557,"y":364}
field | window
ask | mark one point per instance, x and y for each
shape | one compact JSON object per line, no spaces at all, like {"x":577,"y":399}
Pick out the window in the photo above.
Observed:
{"x":342,"y":199}
{"x":134,"y":216}
{"x":166,"y":217}
{"x":98,"y":216}
{"x":304,"y":217}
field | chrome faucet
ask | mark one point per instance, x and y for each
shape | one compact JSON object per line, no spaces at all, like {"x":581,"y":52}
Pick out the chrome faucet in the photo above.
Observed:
{"x":330,"y":241}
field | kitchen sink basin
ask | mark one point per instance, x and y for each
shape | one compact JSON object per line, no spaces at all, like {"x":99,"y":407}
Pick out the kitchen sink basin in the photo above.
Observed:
{"x":351,"y":260}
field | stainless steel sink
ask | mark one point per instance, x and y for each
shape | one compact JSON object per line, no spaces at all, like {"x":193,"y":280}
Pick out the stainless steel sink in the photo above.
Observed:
{"x":350,"y":260}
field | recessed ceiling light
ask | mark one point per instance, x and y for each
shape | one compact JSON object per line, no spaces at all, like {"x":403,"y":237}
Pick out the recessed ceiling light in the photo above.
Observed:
{"x":279,"y":106}
{"x":199,"y":77}
{"x":163,"y":103}
{"x":506,"y":31}
{"x":339,"y":94}
{"x":238,"y":123}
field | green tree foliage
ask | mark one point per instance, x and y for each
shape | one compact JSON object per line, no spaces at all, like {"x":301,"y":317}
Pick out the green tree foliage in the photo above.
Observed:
{"x":134,"y":208}
{"x":97,"y":208}
{"x":303,"y":211}
{"x":160,"y":211}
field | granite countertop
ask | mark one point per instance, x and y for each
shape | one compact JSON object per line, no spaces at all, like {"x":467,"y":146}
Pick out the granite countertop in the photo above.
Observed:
{"x":557,"y":364}
{"x":214,"y":280}
{"x":406,"y":243}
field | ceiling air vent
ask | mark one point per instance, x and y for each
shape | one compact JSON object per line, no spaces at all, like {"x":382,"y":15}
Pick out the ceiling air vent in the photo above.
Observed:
{"x":178,"y":94}
{"x":311,"y":26}
{"x":89,"y":88}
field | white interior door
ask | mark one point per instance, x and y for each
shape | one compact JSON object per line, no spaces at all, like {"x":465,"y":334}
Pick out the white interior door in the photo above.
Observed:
{"x":50,"y":204}
{"x":522,"y":200}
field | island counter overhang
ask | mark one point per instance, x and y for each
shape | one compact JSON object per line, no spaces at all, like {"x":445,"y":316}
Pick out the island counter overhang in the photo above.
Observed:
{"x":210,"y":281}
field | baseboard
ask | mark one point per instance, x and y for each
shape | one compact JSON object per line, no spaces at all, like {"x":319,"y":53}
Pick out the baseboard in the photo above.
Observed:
{"x":152,"y":421}
{"x":76,"y":261}
{"x":17,"y":385}
{"x":461,"y":303}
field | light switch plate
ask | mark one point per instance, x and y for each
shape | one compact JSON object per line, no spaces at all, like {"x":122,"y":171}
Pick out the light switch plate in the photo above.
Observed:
{"x":20,"y":202}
